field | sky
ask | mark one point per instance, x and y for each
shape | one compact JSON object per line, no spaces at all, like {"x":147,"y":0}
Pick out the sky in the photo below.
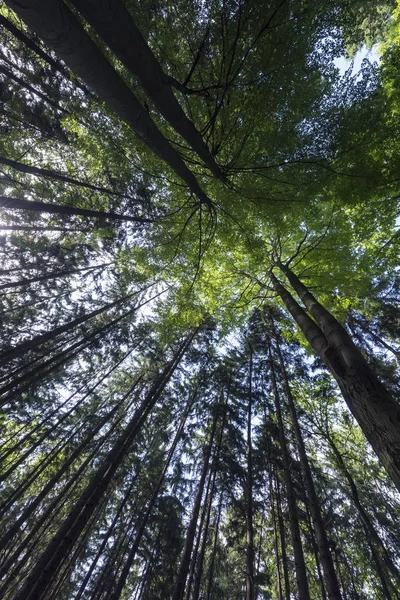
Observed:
{"x":343,"y":63}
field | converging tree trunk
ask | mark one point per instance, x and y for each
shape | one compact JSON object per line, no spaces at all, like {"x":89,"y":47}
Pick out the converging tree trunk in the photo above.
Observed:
{"x":249,"y":493}
{"x":377,"y":413}
{"x":300,"y":567}
{"x":332,"y":584}
{"x":183,"y":570}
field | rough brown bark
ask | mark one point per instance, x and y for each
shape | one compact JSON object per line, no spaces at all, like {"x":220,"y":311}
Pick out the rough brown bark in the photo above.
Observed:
{"x":377,"y":413}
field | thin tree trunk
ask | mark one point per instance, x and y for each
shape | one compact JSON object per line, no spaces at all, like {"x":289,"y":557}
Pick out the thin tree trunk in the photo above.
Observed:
{"x":51,"y":174}
{"x":61,"y":209}
{"x":49,"y":228}
{"x":24,"y":84}
{"x":196,"y":566}
{"x":300,"y":567}
{"x":51,"y":483}
{"x":52,"y":275}
{"x":377,"y":413}
{"x":115,"y":25}
{"x":143,"y":524}
{"x":40,"y":339}
{"x":276,"y":542}
{"x":371,"y":533}
{"x":214,"y":469}
{"x":183,"y":570}
{"x":332,"y":584}
{"x":316,"y":554}
{"x":282,"y":537}
{"x":365,"y":326}
{"x":58,"y":27}
{"x":249,"y":494}
{"x":212,"y":562}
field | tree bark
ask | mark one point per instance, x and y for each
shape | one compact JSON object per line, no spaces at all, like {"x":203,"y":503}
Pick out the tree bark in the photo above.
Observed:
{"x":332,"y":584}
{"x":51,"y":174}
{"x":377,"y":413}
{"x":300,"y":567}
{"x":61,"y":209}
{"x":249,"y":494}
{"x":115,"y":595}
{"x":371,"y":533}
{"x":183,"y":571}
{"x":58,"y":27}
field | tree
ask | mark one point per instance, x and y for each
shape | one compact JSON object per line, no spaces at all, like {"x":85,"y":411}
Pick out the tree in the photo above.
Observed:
{"x":198,"y":297}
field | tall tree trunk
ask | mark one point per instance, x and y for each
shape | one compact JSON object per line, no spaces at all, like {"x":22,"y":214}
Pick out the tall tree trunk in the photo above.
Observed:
{"x":210,"y":577}
{"x":249,"y":493}
{"x":300,"y":567}
{"x":272,"y":500}
{"x":51,"y":174}
{"x":377,"y":413}
{"x":58,"y":27}
{"x":282,"y":537}
{"x":52,"y":275}
{"x":115,"y":595}
{"x":316,"y":554}
{"x":382,"y":555}
{"x":203,"y":536}
{"x":48,"y":564}
{"x":183,"y":570}
{"x":115,"y":25}
{"x":332,"y":584}
{"x":62,"y":209}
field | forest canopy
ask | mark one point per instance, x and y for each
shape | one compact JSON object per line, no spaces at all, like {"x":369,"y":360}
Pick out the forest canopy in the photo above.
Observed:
{"x":199,"y":299}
